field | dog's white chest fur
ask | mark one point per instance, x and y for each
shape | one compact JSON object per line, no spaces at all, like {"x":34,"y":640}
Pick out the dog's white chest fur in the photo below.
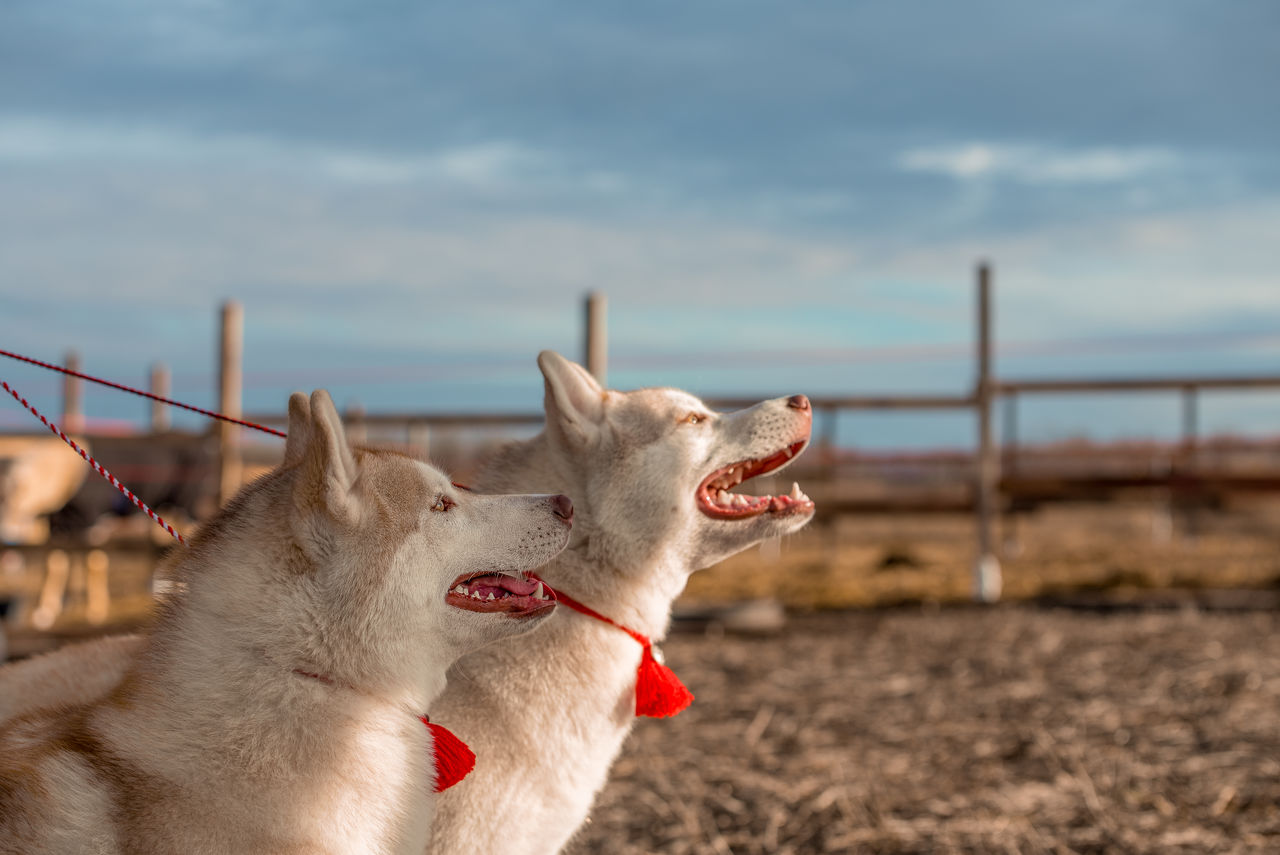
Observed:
{"x":544,"y":744}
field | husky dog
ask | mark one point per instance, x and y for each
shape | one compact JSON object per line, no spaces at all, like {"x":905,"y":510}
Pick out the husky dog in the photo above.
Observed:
{"x":276,"y":705}
{"x":651,"y":473}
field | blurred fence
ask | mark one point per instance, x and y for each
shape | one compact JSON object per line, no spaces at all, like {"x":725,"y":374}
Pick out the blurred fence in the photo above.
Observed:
{"x":997,"y":476}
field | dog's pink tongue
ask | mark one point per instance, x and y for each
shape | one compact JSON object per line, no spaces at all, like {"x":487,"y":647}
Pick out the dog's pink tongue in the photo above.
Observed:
{"x":496,"y":585}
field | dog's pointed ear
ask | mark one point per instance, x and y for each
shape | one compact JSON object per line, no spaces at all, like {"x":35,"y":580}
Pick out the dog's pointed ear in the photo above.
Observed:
{"x":295,"y":443}
{"x":327,"y":467}
{"x":574,"y":400}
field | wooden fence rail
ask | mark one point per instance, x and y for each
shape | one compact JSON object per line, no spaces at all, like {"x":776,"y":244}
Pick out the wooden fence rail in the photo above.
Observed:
{"x":994,"y":461}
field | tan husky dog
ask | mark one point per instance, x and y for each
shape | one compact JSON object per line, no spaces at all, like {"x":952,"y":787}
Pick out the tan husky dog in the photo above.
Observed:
{"x":275,"y":706}
{"x":653,"y":475}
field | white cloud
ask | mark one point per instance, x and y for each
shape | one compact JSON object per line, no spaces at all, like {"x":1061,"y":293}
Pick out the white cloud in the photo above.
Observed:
{"x":124,"y":236}
{"x":1197,"y":269}
{"x":28,"y":140}
{"x":1035,"y":164}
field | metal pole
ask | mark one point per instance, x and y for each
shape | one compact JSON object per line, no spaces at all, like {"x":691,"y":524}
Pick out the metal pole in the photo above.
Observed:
{"x":160,"y":385}
{"x":986,"y":572}
{"x":597,"y":337}
{"x":72,"y":396}
{"x":230,"y":386}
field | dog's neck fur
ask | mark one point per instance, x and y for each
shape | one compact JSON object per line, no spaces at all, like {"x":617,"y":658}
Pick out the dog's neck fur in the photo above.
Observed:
{"x":565,"y":748}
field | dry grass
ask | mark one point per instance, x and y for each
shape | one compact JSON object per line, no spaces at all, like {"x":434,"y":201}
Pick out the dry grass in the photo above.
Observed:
{"x":888,"y":560}
{"x":1012,"y":729}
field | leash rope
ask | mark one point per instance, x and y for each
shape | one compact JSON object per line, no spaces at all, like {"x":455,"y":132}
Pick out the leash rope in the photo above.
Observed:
{"x":132,"y":391}
{"x":97,"y":467}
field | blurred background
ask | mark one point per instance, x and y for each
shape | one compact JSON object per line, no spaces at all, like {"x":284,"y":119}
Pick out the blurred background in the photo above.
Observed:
{"x":1022,"y":257}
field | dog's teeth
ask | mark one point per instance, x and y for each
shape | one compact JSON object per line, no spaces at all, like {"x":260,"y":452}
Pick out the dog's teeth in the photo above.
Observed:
{"x":461,"y":589}
{"x":490,"y":597}
{"x":537,"y":592}
{"x":739,"y":500}
{"x":789,"y":452}
{"x":476,"y":595}
{"x":721,"y":497}
{"x":795,"y":491}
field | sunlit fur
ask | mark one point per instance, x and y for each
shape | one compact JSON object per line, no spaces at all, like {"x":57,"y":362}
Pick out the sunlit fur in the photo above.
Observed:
{"x":547,"y":714}
{"x":274,"y":707}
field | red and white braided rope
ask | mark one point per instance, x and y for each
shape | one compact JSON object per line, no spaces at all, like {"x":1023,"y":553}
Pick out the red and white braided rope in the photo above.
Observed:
{"x":132,"y":391}
{"x":97,"y":467}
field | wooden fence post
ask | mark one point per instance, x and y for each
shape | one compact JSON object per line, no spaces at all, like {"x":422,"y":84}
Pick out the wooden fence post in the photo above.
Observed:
{"x":1008,"y":467}
{"x":1190,"y":426}
{"x":597,"y":337}
{"x":1193,"y":500}
{"x":230,"y":388}
{"x":72,"y":397}
{"x":986,"y":572}
{"x":160,"y":385}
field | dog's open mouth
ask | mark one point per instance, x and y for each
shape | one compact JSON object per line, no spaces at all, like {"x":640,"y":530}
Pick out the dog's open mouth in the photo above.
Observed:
{"x":501,"y":593}
{"x":715,"y":500}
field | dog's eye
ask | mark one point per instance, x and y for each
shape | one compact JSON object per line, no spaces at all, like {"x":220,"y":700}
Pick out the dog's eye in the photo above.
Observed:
{"x":443,"y":503}
{"x":693,"y":419}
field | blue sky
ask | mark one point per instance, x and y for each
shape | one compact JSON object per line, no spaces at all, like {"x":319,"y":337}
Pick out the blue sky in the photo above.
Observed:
{"x":411,"y":198}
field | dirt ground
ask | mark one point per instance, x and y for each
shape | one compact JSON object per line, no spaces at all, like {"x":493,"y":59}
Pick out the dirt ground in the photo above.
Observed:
{"x":1010,"y":729}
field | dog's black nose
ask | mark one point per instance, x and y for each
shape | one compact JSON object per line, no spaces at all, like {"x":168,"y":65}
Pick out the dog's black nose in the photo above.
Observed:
{"x":798,"y":402}
{"x":562,"y":506}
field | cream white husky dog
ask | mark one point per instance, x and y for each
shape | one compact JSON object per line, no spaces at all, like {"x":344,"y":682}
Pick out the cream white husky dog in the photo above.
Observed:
{"x":652,"y":474}
{"x":275,"y":706}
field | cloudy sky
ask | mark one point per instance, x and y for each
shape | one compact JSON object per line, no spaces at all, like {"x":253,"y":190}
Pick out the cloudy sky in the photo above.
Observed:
{"x":410,"y":199}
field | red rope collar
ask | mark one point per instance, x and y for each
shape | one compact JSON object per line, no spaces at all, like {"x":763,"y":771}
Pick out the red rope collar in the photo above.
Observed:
{"x":659,"y":692}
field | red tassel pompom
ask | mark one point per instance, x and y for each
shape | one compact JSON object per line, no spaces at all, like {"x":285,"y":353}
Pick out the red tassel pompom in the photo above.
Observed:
{"x":453,"y":759}
{"x":659,"y":692}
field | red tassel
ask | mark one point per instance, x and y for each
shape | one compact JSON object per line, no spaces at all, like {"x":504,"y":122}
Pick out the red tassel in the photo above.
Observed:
{"x":453,"y":759}
{"x":659,"y":692}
